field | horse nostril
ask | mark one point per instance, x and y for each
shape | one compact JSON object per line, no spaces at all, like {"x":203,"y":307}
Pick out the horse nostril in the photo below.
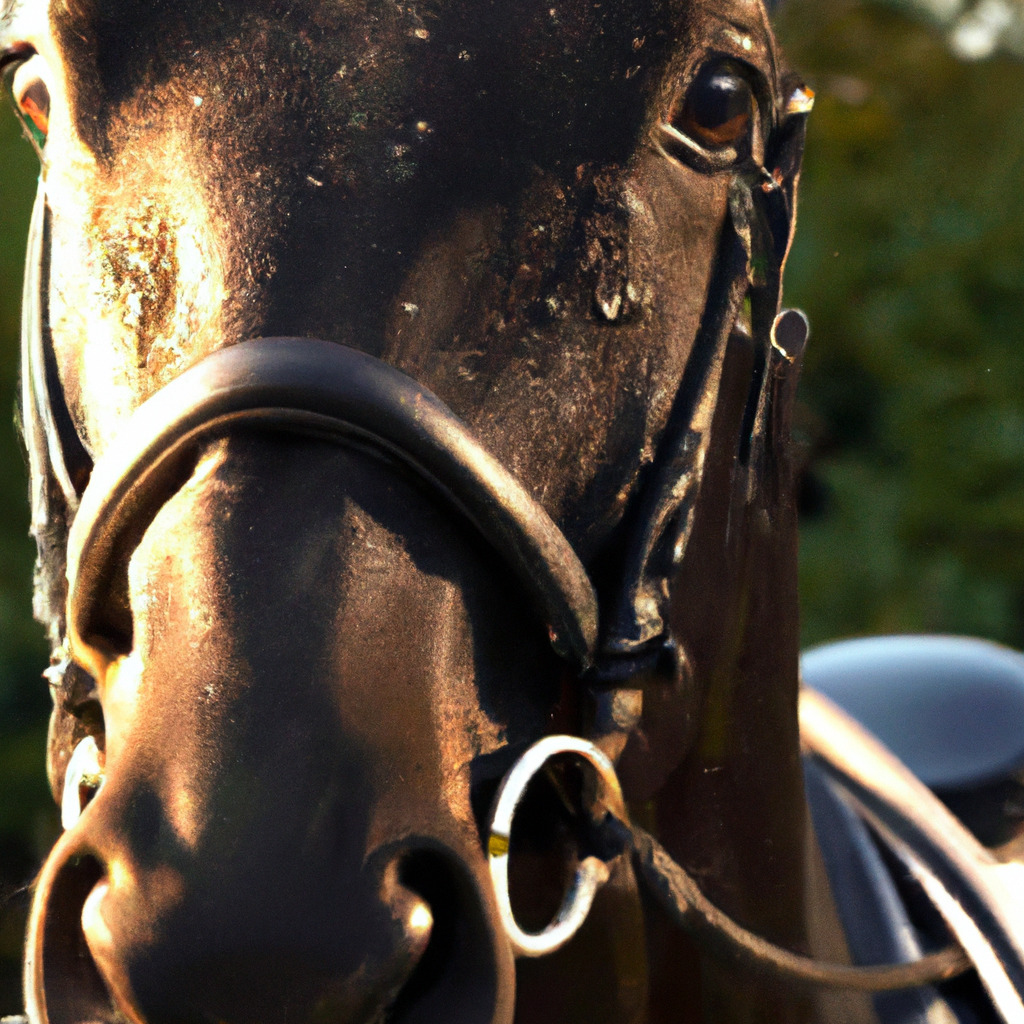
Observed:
{"x":426,"y":875}
{"x":455,"y":978}
{"x":62,"y":982}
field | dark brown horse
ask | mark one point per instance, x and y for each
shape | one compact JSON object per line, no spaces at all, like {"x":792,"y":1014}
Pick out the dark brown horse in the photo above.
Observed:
{"x":308,"y":672}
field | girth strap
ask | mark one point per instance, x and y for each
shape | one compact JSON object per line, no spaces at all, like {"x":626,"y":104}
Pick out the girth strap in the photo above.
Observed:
{"x":327,"y":390}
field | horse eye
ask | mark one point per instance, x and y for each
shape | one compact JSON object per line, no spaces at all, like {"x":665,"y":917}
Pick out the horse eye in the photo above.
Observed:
{"x":717,"y":107}
{"x":32,"y":98}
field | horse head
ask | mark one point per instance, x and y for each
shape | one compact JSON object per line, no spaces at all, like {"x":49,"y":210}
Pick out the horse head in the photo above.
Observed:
{"x":293,"y":663}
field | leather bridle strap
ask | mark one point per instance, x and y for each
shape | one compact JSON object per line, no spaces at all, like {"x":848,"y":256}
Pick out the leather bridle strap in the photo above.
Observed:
{"x":48,"y":432}
{"x":328,"y":390}
{"x":717,"y":933}
{"x":322,"y":389}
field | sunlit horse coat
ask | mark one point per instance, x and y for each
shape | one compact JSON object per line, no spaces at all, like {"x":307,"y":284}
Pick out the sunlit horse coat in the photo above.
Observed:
{"x":305,"y":672}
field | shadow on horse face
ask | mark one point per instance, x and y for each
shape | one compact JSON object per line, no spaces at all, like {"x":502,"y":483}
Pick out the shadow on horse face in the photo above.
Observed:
{"x":286,"y":816}
{"x":324,"y":673}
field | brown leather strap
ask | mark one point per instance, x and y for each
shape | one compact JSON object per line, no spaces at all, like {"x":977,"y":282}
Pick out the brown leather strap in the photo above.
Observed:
{"x":714,"y":930}
{"x":327,"y":390}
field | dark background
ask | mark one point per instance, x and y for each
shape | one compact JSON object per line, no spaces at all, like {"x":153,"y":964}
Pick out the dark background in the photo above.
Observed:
{"x":910,"y":263}
{"x":28,"y":820}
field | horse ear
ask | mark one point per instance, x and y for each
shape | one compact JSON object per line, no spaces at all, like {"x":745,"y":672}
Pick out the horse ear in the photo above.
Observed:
{"x":785,"y":153}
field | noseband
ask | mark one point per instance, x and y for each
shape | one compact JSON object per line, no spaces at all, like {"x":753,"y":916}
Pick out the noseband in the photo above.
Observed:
{"x":314,"y":389}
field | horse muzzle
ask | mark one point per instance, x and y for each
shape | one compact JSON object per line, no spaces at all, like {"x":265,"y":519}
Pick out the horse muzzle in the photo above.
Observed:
{"x":111,"y":939}
{"x":139,"y":933}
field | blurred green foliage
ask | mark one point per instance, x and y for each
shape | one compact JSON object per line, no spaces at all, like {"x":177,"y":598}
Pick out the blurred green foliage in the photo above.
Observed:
{"x":910,"y":262}
{"x":28,"y":821}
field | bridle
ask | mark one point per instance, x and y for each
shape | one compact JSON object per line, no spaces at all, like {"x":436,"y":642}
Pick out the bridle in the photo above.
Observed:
{"x":324,"y":390}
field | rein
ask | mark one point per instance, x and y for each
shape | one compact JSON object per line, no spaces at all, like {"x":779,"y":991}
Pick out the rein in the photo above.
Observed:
{"x":325,"y":390}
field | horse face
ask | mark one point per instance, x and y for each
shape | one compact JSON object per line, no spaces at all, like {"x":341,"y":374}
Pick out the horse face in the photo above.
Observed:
{"x":481,"y":194}
{"x":484,"y":195}
{"x":286,"y":829}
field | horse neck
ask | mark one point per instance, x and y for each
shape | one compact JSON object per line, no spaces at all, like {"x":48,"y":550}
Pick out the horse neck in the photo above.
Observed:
{"x":733,"y":810}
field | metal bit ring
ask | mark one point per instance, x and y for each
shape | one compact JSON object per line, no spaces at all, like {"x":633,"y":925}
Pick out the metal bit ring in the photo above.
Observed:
{"x":591,"y":873}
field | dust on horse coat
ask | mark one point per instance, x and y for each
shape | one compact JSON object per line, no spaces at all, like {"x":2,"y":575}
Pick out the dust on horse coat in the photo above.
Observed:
{"x":559,"y":219}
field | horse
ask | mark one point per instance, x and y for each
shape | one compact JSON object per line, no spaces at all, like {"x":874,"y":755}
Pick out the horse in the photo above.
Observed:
{"x":407,"y":386}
